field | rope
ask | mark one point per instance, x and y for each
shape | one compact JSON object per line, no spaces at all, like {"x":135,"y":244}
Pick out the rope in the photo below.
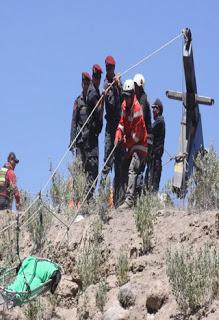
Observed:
{"x":21,"y":216}
{"x":93,"y":184}
{"x":18,"y":250}
{"x":52,"y":213}
{"x":152,"y":53}
{"x":97,"y":104}
{"x":28,"y":221}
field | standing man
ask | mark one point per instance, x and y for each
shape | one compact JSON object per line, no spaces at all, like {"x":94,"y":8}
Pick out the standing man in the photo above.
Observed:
{"x":113,"y":101}
{"x":95,"y":126}
{"x":158,"y":131}
{"x":8,"y":187}
{"x":80,"y":115}
{"x":132,"y":133}
{"x":142,"y":98}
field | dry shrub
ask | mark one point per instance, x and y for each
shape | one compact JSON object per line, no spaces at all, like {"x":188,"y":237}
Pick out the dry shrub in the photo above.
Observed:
{"x":194,"y":277}
{"x":122,"y":267}
{"x":101,"y":294}
{"x":144,"y":211}
{"x":91,"y":258}
{"x":203,"y":185}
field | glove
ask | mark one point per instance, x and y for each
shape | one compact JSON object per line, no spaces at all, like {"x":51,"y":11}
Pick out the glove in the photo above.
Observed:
{"x":117,"y":141}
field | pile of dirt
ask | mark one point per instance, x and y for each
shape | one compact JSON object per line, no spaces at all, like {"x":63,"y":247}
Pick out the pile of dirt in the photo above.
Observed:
{"x":147,"y":294}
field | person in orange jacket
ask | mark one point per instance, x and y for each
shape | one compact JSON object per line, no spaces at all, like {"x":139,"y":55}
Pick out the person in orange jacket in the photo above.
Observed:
{"x":132,"y":132}
{"x":8,"y":187}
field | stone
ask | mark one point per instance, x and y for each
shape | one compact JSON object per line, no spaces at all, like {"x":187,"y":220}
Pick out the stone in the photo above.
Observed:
{"x":126,"y":296}
{"x":67,"y":287}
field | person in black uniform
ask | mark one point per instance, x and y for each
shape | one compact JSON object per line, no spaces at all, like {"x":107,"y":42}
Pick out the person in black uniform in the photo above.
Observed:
{"x":113,"y":102}
{"x":95,"y":126}
{"x":80,"y":115}
{"x":154,"y":170}
{"x":86,"y":145}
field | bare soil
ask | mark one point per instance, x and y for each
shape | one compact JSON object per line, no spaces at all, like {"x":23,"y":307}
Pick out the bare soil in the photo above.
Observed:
{"x":148,"y":282}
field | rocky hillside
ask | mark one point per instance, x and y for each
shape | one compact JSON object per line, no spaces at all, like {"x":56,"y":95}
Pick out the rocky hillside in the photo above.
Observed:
{"x":118,"y":280}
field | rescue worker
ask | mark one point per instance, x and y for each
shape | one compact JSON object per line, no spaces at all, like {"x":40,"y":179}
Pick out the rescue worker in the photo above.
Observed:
{"x":79,"y":116}
{"x":94,"y":127}
{"x":87,"y":142}
{"x":142,"y":98}
{"x":113,"y":101}
{"x":8,"y":187}
{"x":158,"y":131}
{"x":132,"y":133}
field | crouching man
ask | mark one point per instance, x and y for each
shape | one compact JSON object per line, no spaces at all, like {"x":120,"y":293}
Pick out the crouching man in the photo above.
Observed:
{"x":132,"y":132}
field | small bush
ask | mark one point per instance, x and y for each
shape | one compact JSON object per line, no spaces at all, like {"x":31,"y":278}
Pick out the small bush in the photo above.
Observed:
{"x":102,"y":201}
{"x":90,"y":259}
{"x":203,"y":185}
{"x":144,"y":210}
{"x":122,"y":267}
{"x":60,"y":191}
{"x":39,"y":221}
{"x":33,"y":310}
{"x":194,"y":277}
{"x":78,"y":180}
{"x":101,"y":295}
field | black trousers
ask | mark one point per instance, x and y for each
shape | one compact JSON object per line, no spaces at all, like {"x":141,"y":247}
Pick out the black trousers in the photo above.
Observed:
{"x":4,"y":203}
{"x":89,"y":159}
{"x":116,"y":159}
{"x":153,"y":174}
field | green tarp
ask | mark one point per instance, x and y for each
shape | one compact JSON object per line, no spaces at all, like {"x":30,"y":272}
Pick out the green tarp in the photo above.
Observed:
{"x":33,"y":271}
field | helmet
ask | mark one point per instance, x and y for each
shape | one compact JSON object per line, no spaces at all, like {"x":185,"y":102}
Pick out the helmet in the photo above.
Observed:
{"x":128,"y":87}
{"x":139,"y":80}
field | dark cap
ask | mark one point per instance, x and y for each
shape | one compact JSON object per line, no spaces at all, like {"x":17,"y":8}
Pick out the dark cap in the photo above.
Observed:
{"x":86,"y":76}
{"x":12,"y":156}
{"x":158,"y":103}
{"x":110,"y":60}
{"x":96,"y":69}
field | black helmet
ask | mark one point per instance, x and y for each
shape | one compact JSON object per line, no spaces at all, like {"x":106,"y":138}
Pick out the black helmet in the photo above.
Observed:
{"x":158,"y":103}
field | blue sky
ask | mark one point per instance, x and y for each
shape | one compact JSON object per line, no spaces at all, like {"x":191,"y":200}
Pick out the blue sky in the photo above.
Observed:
{"x":45,"y":45}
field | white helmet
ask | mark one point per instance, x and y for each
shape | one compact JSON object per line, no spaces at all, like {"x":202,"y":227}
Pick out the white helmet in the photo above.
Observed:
{"x":139,"y":80}
{"x":128,"y":86}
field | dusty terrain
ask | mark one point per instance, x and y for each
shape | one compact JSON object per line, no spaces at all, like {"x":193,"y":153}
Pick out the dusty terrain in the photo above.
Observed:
{"x":151,"y":296}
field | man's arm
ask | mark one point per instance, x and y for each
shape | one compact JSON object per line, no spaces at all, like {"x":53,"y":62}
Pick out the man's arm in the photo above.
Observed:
{"x":120,"y":129}
{"x":92,"y":100}
{"x":74,"y":123}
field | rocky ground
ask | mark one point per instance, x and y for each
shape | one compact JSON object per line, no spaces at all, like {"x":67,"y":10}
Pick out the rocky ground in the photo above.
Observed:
{"x":147,"y":293}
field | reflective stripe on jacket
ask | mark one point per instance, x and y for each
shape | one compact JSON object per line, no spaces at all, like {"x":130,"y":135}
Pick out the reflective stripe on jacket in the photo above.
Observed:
{"x":132,"y":128}
{"x":3,"y":183}
{"x":10,"y":189}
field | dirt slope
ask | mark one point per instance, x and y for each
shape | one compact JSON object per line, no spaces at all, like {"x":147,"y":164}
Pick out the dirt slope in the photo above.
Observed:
{"x":147,"y":277}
